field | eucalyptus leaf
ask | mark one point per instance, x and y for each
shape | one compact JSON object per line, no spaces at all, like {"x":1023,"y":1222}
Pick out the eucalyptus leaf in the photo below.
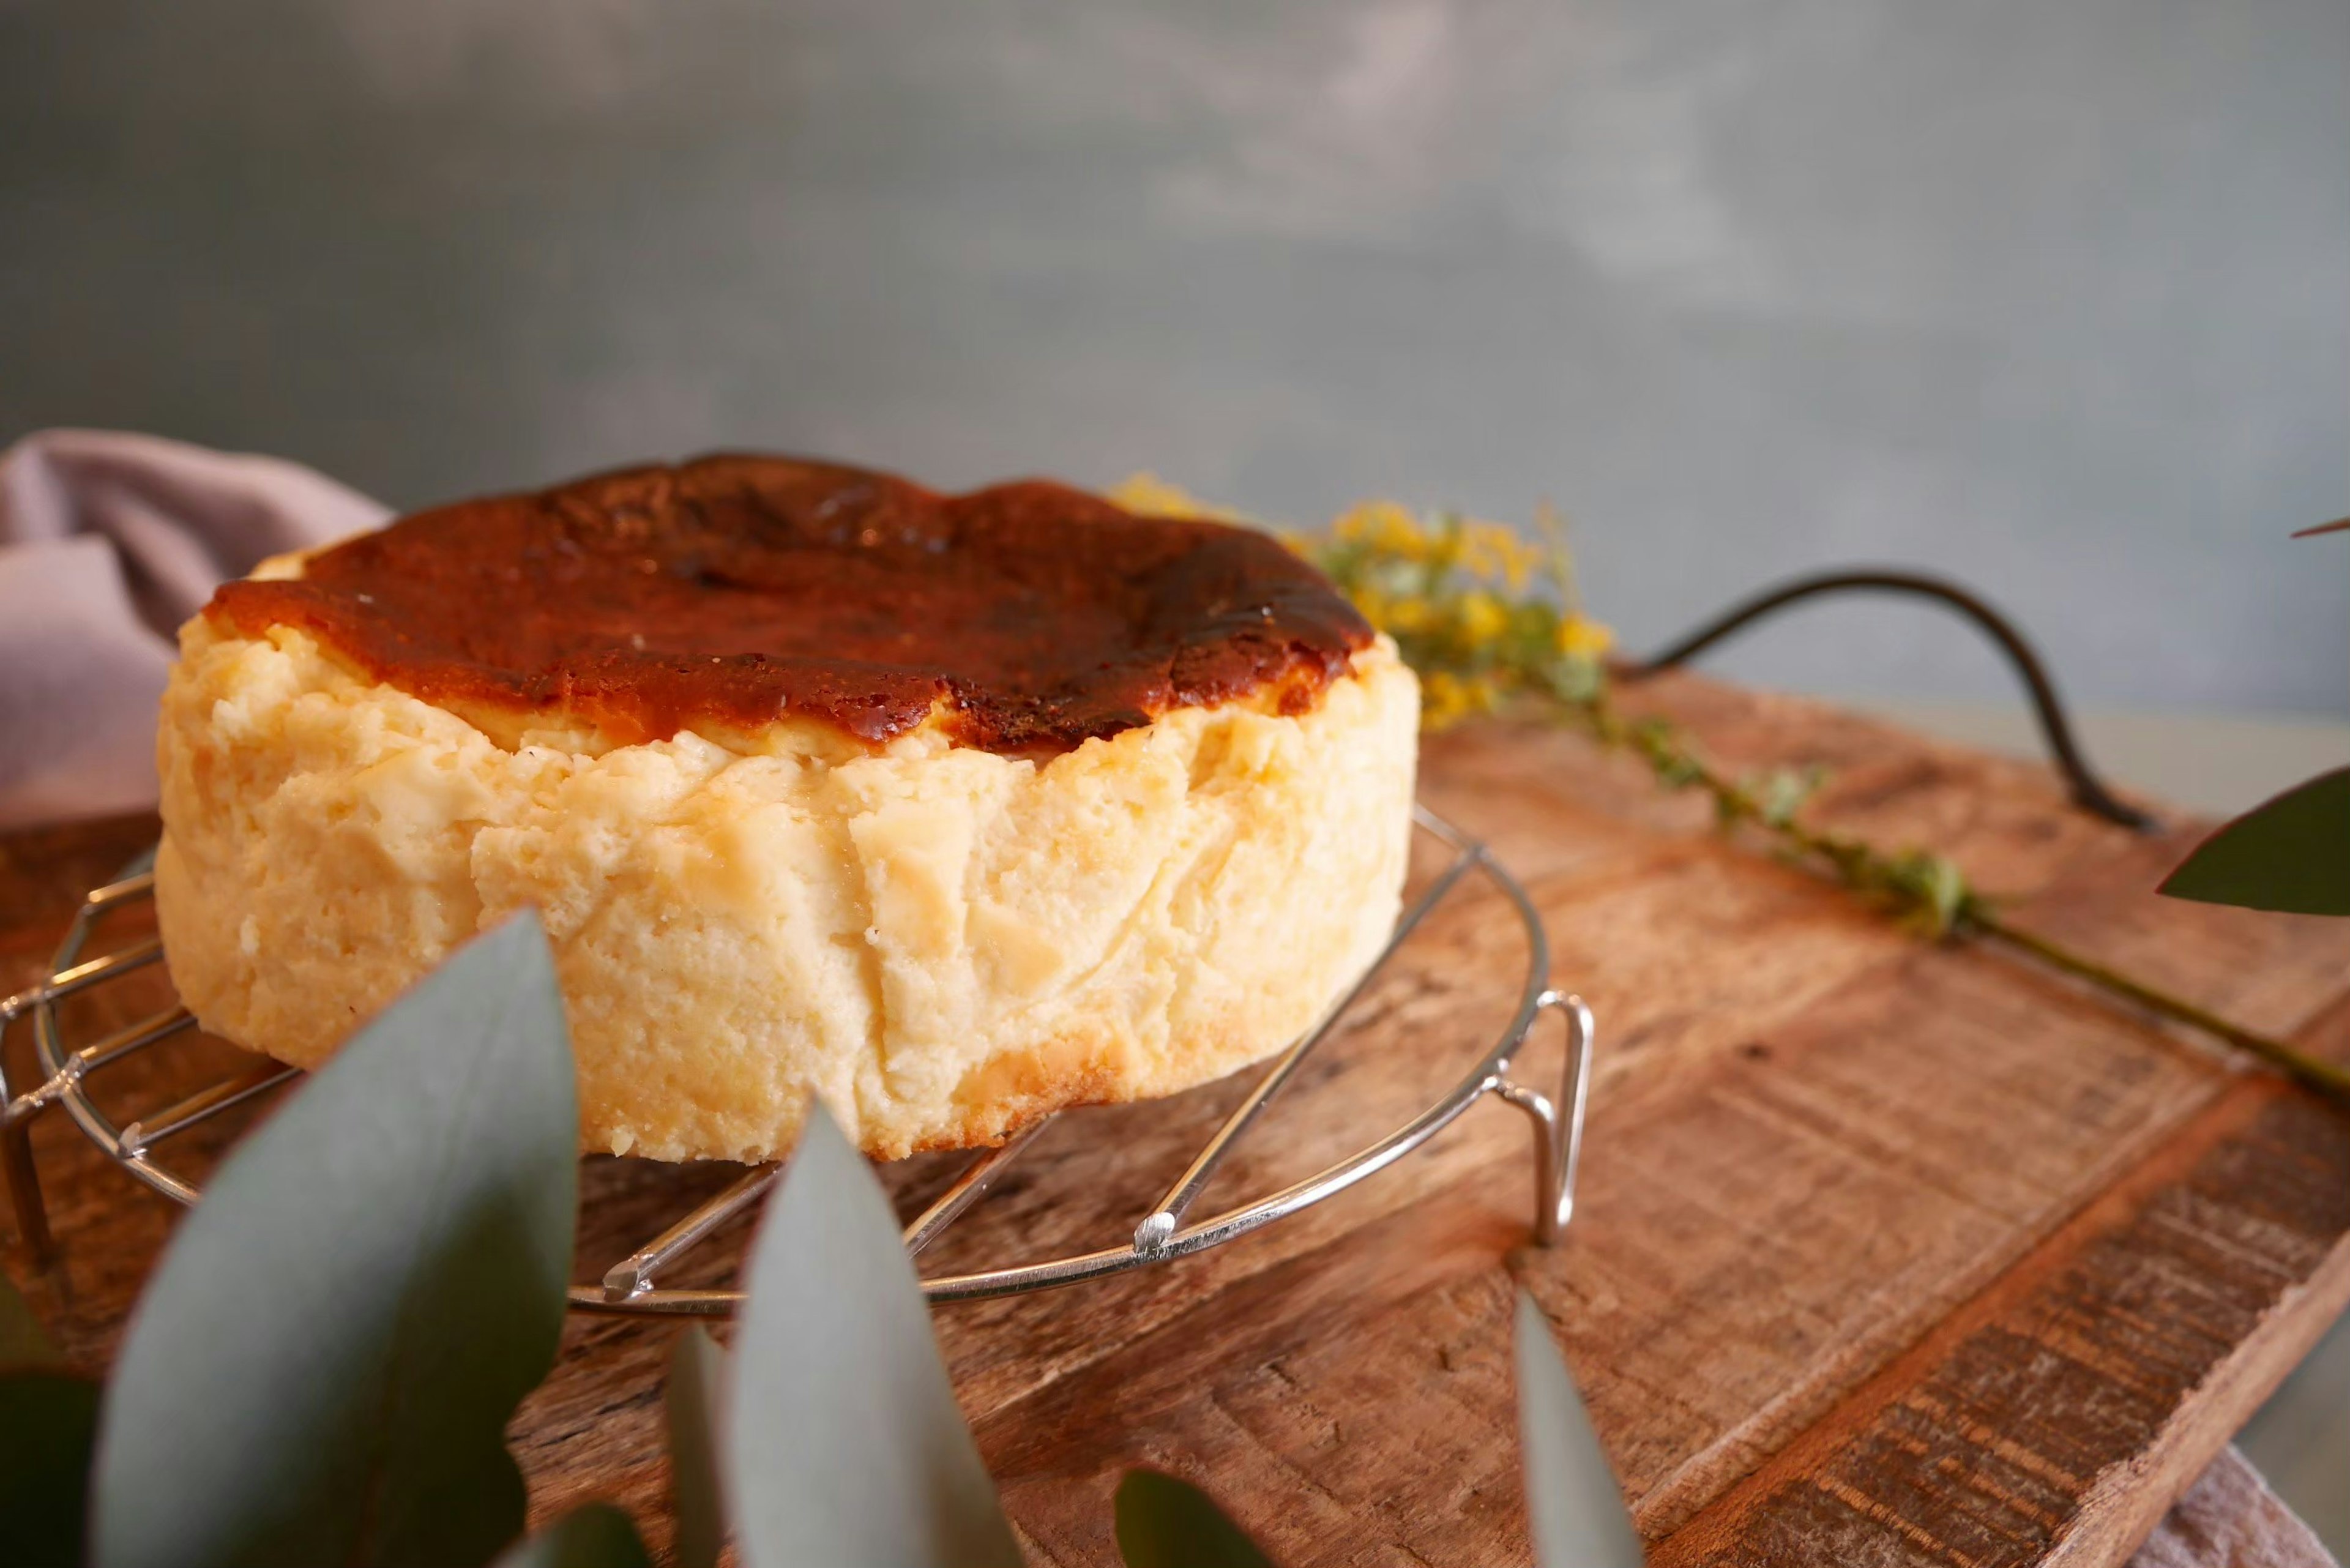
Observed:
{"x":696,"y":1371}
{"x":2290,"y":854}
{"x":845,"y":1447}
{"x":322,"y":1369}
{"x":1165,"y":1523}
{"x":596,"y":1536}
{"x":23,"y":1341}
{"x":49,"y":1429}
{"x":1577,"y":1510}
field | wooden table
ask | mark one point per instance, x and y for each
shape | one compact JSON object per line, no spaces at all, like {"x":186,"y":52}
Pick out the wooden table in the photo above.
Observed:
{"x":1886,"y":1252}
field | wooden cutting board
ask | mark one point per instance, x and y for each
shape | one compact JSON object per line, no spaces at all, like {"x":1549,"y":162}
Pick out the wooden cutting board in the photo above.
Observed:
{"x":1886,"y":1253}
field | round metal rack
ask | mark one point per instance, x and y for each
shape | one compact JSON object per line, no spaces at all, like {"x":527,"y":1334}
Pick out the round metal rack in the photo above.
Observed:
{"x":1165,"y":1232}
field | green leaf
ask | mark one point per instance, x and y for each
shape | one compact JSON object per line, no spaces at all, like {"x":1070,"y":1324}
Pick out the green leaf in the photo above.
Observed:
{"x":844,"y":1447}
{"x":696,"y":1372}
{"x":1782,"y":793}
{"x":322,"y":1369}
{"x":1576,"y":1509}
{"x":595,"y":1536}
{"x":1164,"y":1522}
{"x":23,"y":1341}
{"x":1935,"y":889}
{"x":49,"y":1428}
{"x":2292,"y":854}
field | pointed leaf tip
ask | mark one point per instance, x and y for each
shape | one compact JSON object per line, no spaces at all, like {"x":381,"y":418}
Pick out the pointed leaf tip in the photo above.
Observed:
{"x":697,"y":1369}
{"x":1572,"y":1500}
{"x":322,"y":1368}
{"x":2290,"y":854}
{"x":845,"y":1445}
{"x":1164,"y":1521}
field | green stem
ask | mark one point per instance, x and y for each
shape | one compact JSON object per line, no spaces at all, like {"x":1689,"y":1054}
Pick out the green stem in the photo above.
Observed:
{"x":1927,"y":888}
{"x":2329,"y":1078}
{"x":1864,"y":870}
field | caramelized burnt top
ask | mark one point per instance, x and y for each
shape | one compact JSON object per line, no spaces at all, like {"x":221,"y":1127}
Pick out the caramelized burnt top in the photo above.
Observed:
{"x":736,"y":591}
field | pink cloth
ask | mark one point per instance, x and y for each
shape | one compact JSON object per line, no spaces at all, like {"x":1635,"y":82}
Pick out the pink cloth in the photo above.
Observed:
{"x":108,"y":541}
{"x":2229,"y":1519}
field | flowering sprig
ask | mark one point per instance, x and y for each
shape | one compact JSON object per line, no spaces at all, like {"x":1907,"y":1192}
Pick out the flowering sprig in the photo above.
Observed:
{"x":1488,"y":619}
{"x":1926,"y":891}
{"x":1481,"y":614}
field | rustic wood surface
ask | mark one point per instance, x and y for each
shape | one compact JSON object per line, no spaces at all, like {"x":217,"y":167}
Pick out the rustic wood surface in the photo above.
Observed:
{"x":1886,"y":1253}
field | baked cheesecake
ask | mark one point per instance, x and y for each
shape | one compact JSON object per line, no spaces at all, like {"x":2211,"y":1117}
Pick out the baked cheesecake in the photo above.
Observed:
{"x":951,"y":810}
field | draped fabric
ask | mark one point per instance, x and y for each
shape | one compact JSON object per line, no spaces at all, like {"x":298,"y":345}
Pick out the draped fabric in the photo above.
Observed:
{"x":108,"y":541}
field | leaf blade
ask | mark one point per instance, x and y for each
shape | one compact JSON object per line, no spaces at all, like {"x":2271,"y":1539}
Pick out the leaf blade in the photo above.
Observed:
{"x":322,"y":1367}
{"x":1573,"y":1502}
{"x":1165,"y":1521}
{"x":845,"y":1445}
{"x":2290,"y":854}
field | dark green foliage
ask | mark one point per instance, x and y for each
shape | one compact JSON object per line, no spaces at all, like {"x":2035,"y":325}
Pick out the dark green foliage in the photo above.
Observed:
{"x":48,"y":1427}
{"x":1164,"y":1522}
{"x":2292,"y":854}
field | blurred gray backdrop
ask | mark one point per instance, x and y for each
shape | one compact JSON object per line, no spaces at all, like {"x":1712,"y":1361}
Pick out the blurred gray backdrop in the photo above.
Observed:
{"x":2055,"y":297}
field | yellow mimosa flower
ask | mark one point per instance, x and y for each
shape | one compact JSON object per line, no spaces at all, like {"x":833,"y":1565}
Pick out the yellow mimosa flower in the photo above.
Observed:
{"x":1385,"y":526}
{"x":1581,"y":637}
{"x":1480,"y":619}
{"x":1147,"y":495}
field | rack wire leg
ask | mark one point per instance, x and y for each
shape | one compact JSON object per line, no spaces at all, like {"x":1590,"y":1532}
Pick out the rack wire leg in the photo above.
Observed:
{"x":1558,"y":1133}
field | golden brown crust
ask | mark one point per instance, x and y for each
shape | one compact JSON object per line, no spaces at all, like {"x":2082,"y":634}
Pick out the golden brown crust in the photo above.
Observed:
{"x":730,"y":592}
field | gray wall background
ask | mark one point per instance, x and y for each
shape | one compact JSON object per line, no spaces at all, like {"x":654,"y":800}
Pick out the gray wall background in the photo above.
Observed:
{"x":2054,"y":296}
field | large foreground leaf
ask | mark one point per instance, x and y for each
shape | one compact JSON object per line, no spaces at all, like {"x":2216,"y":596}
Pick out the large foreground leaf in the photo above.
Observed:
{"x":2292,"y":854}
{"x":1577,"y":1511}
{"x":1164,"y":1522}
{"x":322,"y":1369}
{"x":846,"y":1448}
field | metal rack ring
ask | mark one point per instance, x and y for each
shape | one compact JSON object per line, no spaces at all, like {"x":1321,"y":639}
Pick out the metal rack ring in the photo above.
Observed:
{"x":1167,"y":1231}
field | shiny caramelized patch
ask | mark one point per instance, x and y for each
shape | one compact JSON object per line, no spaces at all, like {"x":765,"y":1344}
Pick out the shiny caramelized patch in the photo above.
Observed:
{"x":737,"y":591}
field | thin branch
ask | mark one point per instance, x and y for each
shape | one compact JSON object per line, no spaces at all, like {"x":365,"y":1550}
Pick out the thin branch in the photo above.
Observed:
{"x":1458,"y":596}
{"x":1932,"y":893}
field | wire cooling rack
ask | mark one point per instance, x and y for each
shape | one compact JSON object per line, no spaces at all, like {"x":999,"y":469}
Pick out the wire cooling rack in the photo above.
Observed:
{"x":631,"y":1285}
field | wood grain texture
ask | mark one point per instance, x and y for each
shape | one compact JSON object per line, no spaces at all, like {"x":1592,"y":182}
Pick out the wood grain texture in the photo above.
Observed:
{"x":1886,"y":1253}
